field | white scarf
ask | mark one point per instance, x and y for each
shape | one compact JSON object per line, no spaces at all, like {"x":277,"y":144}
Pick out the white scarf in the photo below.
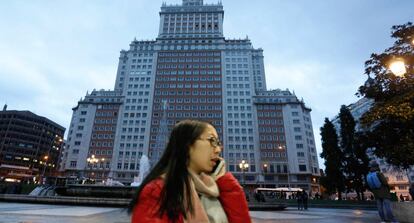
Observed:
{"x":209,"y":192}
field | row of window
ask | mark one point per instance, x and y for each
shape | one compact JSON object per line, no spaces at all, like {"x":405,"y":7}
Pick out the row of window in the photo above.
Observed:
{"x":192,"y":107}
{"x":240,"y":86}
{"x":188,"y":54}
{"x":189,"y":59}
{"x":244,"y":146}
{"x":140,"y":86}
{"x":234,"y":66}
{"x":138,"y":107}
{"x":236,"y":108}
{"x":240,"y":139}
{"x":180,"y":86}
{"x":141,"y":66}
{"x":188,"y":66}
{"x":140,"y":93}
{"x":237,"y":72}
{"x":104,"y":121}
{"x":238,"y":131}
{"x":190,"y":72}
{"x":141,"y":60}
{"x":270,"y":121}
{"x":137,"y":115}
{"x":239,"y":115}
{"x":137,"y":122}
{"x":271,"y":137}
{"x":194,"y":92}
{"x":239,"y":123}
{"x":206,"y":78}
{"x":132,"y":137}
{"x":130,"y":145}
{"x":134,"y":100}
{"x":102,"y":136}
{"x":189,"y":115}
{"x":238,"y":93}
{"x":271,"y":129}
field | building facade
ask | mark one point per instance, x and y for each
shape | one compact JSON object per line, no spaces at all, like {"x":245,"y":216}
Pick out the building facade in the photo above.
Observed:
{"x":29,"y":146}
{"x":90,"y":143}
{"x":191,"y":71}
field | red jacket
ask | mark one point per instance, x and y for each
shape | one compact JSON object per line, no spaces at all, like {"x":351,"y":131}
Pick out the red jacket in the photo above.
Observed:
{"x":232,"y":199}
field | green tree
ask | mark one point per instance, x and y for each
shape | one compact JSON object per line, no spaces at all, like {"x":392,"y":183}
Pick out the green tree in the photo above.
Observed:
{"x":355,"y":165}
{"x":334,"y":177}
{"x":390,"y":120}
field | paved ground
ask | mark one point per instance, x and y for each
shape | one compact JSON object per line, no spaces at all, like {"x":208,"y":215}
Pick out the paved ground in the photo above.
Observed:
{"x":39,"y":213}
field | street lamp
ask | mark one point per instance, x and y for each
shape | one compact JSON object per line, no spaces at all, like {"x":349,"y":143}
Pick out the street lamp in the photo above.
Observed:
{"x":281,"y":147}
{"x":243,"y":166}
{"x":264,"y":173}
{"x":93,"y":161}
{"x":397,"y":67}
{"x":45,"y":158}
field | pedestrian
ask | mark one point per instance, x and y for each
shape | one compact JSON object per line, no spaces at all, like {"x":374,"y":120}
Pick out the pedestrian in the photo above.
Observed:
{"x":299,"y":199}
{"x":305,"y":198}
{"x":380,"y":188}
{"x":183,"y":187}
{"x":401,"y":198}
{"x":411,"y":191}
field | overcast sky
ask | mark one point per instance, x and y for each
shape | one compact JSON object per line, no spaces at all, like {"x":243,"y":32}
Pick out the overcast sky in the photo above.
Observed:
{"x":53,"y":51}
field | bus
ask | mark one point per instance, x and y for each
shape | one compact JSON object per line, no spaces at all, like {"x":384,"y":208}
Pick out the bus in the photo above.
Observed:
{"x":278,"y":193}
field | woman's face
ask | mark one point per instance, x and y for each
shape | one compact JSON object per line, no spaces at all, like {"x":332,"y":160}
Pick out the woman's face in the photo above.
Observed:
{"x":204,"y":153}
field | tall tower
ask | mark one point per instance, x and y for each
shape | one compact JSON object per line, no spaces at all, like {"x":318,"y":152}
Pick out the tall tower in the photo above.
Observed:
{"x":191,"y":71}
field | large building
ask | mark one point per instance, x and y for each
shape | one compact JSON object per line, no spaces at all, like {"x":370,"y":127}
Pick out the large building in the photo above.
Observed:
{"x":191,"y":71}
{"x":398,"y":179}
{"x":29,"y":146}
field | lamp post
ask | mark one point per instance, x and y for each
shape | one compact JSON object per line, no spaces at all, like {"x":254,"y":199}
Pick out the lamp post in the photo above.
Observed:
{"x":264,"y":173}
{"x":397,"y":67}
{"x":243,"y":166}
{"x":93,"y":161}
{"x":45,"y":158}
{"x":281,"y":147}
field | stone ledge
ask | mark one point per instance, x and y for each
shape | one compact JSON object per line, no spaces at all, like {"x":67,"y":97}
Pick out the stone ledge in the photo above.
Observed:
{"x":86,"y":201}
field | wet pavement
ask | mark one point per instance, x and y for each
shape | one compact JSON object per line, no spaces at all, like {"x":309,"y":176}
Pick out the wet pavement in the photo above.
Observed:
{"x":39,"y":213}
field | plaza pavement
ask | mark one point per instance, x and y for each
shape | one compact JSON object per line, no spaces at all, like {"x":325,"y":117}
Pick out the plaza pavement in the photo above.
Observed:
{"x":39,"y":213}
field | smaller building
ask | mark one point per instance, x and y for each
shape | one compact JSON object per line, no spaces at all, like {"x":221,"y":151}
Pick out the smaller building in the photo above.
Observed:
{"x":30,"y":146}
{"x":90,"y":143}
{"x":286,"y":142}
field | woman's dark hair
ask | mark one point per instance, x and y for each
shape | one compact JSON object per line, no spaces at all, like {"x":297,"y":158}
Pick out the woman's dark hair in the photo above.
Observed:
{"x":173,"y":164}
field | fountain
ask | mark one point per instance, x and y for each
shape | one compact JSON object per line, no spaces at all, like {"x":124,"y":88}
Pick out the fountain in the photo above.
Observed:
{"x":144,"y":168}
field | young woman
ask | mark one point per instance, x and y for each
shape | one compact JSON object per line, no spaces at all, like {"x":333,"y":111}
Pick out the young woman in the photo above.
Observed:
{"x":181,"y":187}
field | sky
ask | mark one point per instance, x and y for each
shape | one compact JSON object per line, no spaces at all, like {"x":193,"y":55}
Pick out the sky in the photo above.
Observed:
{"x":53,"y":51}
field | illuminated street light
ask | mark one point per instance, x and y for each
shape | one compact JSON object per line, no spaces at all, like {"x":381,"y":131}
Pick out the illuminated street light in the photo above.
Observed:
{"x":397,"y":67}
{"x":243,"y":166}
{"x":92,"y":161}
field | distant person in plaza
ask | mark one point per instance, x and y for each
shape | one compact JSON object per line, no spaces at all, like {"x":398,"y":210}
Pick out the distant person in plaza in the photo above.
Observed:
{"x":305,"y":199}
{"x":183,"y":187}
{"x":299,"y":199}
{"x":411,"y":191}
{"x":378,"y":185}
{"x":401,"y":198}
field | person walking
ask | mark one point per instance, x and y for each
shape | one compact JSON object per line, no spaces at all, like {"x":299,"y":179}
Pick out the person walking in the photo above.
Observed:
{"x":378,"y":185}
{"x":401,"y":198}
{"x":183,"y":185}
{"x":305,"y":198}
{"x":411,"y":191}
{"x":299,"y":199}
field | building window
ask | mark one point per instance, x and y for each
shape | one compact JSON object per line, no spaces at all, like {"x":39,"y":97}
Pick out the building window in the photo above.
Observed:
{"x":73,"y":163}
{"x":302,"y":168}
